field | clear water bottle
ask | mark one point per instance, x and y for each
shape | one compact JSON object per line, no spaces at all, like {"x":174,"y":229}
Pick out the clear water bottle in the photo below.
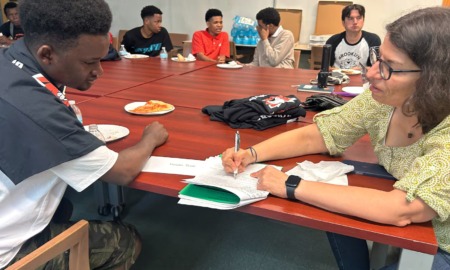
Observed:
{"x":93,"y":129}
{"x":163,"y":54}
{"x":76,"y":110}
{"x":123,"y":51}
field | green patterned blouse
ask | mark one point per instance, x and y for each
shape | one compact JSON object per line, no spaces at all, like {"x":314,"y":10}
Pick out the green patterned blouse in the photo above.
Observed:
{"x":423,"y":168}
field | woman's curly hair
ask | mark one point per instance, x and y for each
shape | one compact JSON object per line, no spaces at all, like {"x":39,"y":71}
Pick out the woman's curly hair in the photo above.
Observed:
{"x":423,"y":35}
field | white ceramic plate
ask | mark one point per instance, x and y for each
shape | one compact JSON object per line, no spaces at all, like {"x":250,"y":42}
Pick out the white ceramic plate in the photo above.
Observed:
{"x":185,"y":61}
{"x":111,"y":132}
{"x":133,"y":105}
{"x":229,"y":66}
{"x":136,"y":56}
{"x":351,"y":71}
{"x":353,"y":89}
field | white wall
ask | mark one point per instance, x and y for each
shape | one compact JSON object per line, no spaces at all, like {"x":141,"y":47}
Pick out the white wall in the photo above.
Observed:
{"x":378,"y":13}
{"x":187,"y":16}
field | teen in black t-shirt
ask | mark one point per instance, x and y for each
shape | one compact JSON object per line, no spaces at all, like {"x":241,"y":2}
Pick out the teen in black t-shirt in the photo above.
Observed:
{"x":150,"y":37}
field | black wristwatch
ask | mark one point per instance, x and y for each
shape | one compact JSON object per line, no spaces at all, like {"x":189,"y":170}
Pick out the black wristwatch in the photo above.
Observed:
{"x":291,"y":184}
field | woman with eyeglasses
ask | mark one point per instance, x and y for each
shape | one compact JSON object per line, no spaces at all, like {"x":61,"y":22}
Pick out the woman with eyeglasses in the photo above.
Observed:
{"x":406,"y":114}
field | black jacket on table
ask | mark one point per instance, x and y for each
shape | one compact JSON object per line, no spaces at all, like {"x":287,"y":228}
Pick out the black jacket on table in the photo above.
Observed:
{"x":257,"y":112}
{"x":38,"y":131}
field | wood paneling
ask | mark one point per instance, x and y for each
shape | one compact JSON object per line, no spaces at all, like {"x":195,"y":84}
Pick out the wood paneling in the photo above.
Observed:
{"x":291,"y":19}
{"x":328,"y":20}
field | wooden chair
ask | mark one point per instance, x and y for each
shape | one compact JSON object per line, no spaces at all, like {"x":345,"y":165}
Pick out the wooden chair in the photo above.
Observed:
{"x":115,"y":43}
{"x":296,"y":58}
{"x":120,"y":36}
{"x":75,"y":238}
{"x":187,"y":47}
{"x":177,"y":39}
{"x":233,"y":51}
{"x":177,"y":42}
{"x":316,"y":57}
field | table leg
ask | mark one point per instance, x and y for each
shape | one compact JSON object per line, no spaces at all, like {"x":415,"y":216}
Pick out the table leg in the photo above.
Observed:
{"x":411,"y":260}
{"x":378,"y":255}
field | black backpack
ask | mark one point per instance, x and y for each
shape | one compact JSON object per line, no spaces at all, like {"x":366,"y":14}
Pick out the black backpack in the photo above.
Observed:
{"x":112,"y":54}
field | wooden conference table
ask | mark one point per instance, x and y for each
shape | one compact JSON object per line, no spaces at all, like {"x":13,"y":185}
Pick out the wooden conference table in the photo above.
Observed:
{"x":192,"y":135}
{"x":126,"y":73}
{"x":213,"y":86}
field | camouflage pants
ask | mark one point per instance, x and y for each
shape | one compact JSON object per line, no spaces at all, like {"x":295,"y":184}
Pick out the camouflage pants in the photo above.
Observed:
{"x":111,"y":244}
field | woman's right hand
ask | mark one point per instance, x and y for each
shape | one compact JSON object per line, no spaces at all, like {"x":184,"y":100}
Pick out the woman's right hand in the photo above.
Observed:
{"x":232,"y":160}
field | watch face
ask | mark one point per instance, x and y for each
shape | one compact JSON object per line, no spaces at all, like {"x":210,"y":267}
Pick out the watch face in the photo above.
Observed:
{"x":291,"y":184}
{"x":293,"y":181}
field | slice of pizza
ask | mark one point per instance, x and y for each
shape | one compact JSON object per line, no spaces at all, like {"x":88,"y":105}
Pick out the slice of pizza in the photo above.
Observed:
{"x":153,"y":106}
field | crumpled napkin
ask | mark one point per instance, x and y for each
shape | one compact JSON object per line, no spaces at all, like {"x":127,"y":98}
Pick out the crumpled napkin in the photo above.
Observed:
{"x":332,"y":172}
{"x":190,"y":57}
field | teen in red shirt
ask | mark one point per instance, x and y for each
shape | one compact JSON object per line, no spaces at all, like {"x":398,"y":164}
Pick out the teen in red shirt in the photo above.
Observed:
{"x":211,"y":44}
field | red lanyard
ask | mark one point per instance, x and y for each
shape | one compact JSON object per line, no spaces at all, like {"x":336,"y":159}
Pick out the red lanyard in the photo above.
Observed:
{"x":55,"y":91}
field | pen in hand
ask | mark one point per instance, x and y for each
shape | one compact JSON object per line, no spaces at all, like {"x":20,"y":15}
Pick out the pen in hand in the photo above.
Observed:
{"x":237,"y":145}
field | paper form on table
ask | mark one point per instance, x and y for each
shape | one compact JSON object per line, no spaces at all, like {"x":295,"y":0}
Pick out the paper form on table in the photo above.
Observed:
{"x":173,"y":165}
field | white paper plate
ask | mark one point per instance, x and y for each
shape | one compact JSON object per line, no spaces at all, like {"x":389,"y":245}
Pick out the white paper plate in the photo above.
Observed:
{"x":133,"y":105}
{"x":136,"y":56}
{"x":353,"y":89}
{"x":229,"y":66}
{"x":185,"y":61}
{"x":111,"y":132}
{"x":351,"y":71}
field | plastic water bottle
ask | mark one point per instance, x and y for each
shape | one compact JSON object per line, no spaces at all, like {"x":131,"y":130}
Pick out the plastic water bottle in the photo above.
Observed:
{"x":163,"y":54}
{"x":233,"y":32}
{"x":93,"y":129}
{"x":238,"y":40}
{"x":123,"y":51}
{"x":76,"y":110}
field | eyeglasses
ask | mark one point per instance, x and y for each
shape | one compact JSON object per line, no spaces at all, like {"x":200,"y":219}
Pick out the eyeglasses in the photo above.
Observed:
{"x":385,"y":69}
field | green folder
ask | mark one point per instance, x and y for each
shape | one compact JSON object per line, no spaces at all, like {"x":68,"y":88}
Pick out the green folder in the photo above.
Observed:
{"x":210,"y":194}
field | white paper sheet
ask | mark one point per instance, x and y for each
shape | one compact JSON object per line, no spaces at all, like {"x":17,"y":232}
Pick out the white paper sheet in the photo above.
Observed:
{"x":213,"y":174}
{"x":331,"y":172}
{"x":173,"y":165}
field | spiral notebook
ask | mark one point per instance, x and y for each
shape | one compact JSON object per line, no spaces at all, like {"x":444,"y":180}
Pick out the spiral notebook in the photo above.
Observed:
{"x":314,"y":89}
